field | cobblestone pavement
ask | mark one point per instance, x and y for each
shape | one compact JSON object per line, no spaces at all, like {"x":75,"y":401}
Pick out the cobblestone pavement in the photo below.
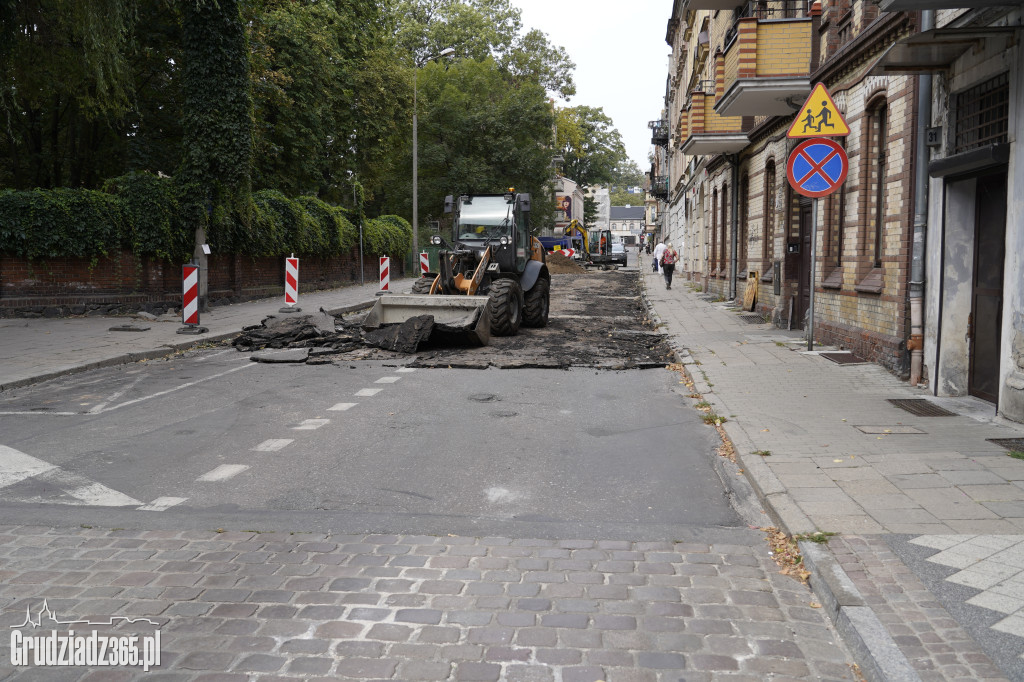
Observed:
{"x":262,"y":606}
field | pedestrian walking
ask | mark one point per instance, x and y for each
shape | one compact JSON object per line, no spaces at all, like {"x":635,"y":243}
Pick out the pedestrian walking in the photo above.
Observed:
{"x":668,"y":263}
{"x":658,"y":251}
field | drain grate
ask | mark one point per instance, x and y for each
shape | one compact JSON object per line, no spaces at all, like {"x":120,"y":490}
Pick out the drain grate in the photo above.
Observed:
{"x":921,"y":407}
{"x":753,"y":319}
{"x":843,"y":358}
{"x":1016,"y":444}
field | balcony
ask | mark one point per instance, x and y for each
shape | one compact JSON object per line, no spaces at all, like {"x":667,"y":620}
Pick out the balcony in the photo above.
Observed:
{"x":659,"y":186}
{"x":706,"y":131}
{"x":914,"y":5}
{"x":767,"y":61}
{"x":659,"y":132}
{"x":714,"y":4}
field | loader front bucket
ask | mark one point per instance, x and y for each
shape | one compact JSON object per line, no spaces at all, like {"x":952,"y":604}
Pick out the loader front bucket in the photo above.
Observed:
{"x":458,"y":320}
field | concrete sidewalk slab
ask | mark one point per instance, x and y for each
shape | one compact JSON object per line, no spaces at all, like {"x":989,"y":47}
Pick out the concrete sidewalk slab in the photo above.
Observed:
{"x":826,"y":451}
{"x":37,"y":349}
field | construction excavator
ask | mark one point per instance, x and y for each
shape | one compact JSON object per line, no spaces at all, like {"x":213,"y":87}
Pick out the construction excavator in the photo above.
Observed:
{"x":492,"y":276}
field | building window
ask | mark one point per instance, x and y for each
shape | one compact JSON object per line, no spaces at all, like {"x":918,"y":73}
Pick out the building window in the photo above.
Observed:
{"x":983,"y":114}
{"x":877,"y":134}
{"x":835,"y":216}
{"x":768,"y":231}
{"x":714,"y":232}
{"x":741,"y":242}
{"x":723,"y":230}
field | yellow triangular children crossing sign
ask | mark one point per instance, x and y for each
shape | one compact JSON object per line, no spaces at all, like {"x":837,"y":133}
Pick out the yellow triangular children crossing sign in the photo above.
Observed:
{"x":819,"y":117}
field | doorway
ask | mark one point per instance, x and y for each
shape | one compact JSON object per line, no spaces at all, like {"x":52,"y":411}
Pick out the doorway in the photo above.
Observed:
{"x":986,"y":318}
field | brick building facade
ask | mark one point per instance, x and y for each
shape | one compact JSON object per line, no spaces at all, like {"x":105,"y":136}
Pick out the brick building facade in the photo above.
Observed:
{"x":739,"y":76}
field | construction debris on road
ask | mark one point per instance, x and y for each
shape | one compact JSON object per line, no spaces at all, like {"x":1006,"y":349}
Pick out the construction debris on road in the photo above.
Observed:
{"x":597,"y":319}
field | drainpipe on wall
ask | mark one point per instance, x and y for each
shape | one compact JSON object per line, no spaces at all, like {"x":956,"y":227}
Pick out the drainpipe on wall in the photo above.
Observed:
{"x":924,"y":118}
{"x":734,"y":160}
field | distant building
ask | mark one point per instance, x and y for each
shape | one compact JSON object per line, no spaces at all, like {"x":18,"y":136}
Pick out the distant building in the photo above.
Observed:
{"x":627,"y":222}
{"x":568,"y":203}
{"x":604,"y":203}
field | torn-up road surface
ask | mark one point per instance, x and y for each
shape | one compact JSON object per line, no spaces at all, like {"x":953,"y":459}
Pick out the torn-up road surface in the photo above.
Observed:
{"x":597,"y":319}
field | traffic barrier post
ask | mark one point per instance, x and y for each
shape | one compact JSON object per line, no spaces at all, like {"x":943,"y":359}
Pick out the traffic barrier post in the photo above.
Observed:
{"x":291,"y":285}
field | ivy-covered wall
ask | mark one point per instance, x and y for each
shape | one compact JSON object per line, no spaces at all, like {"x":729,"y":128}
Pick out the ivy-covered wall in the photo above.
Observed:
{"x":123,"y":248}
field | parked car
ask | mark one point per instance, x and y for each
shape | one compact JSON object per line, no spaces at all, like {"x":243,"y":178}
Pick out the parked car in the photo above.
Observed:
{"x":619,"y":253}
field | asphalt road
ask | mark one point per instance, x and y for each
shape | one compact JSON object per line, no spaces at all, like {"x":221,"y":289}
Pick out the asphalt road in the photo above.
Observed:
{"x":210,"y":439}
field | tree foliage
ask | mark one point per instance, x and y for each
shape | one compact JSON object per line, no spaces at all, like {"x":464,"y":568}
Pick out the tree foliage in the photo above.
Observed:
{"x":591,"y":146}
{"x":261,"y":119}
{"x":476,"y":135}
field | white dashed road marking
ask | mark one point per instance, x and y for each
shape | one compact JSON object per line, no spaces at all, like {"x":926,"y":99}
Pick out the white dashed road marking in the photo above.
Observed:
{"x":367,"y":392}
{"x":162,"y":503}
{"x":341,"y":407}
{"x":223,"y":472}
{"x":311,"y":424}
{"x":272,"y":444}
{"x":406,"y":369}
{"x":387,"y":380}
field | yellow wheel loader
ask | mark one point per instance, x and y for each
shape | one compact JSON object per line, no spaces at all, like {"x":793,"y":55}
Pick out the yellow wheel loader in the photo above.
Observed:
{"x":492,"y":277}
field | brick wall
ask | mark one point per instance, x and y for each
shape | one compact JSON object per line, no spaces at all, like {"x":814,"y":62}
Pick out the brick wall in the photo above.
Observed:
{"x":784,"y":48}
{"x":122,"y":281}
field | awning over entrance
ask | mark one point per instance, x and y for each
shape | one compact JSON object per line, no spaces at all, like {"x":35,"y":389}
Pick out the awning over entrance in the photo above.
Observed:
{"x":935,"y":50}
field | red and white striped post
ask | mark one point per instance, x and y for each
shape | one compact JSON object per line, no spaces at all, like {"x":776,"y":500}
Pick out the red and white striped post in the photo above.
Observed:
{"x":385,"y":273}
{"x":190,"y":300}
{"x":190,"y":294}
{"x":291,"y":285}
{"x":424,"y":263}
{"x":291,"y":281}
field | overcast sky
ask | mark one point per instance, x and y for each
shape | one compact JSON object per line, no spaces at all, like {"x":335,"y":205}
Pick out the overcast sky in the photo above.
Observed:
{"x":621,"y":58}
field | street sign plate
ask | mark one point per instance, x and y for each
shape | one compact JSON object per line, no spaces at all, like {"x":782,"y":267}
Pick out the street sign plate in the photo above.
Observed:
{"x":819,"y":117}
{"x":817,"y":167}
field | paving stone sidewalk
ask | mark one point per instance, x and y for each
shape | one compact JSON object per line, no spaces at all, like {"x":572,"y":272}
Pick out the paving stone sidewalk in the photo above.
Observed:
{"x":33,"y":350}
{"x":826,"y":451}
{"x":251,"y":606}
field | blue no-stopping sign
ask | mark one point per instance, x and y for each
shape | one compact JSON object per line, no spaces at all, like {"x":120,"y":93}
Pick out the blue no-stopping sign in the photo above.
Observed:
{"x":817,"y":167}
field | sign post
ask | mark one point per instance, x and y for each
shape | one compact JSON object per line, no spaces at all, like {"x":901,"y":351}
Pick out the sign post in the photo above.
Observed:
{"x":817,"y":167}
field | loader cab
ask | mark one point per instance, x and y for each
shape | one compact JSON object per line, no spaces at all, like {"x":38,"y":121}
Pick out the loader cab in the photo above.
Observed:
{"x":500,"y":221}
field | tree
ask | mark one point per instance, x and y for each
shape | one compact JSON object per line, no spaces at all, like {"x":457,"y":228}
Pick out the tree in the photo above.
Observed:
{"x":590,"y":144}
{"x":326,"y":104}
{"x":64,"y":85}
{"x":216,"y":165}
{"x":477,"y":29}
{"x":476,"y":135}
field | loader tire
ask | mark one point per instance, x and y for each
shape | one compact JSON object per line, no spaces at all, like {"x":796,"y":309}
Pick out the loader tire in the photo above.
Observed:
{"x":536,"y":303}
{"x":505,"y":306}
{"x":422,"y":285}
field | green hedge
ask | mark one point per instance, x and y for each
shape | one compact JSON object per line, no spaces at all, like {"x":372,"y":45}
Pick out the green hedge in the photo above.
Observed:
{"x":37,"y":223}
{"x":142,"y":212}
{"x":153,"y":210}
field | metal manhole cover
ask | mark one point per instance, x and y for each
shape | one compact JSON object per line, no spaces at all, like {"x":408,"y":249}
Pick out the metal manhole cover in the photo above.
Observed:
{"x":843,"y":358}
{"x":753,"y":319}
{"x":921,"y":407}
{"x":1016,"y":444}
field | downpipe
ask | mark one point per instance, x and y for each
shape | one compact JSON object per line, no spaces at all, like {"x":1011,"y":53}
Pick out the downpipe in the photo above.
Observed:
{"x":915,"y":344}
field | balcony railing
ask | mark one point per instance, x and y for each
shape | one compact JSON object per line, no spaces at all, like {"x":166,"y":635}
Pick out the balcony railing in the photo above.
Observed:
{"x":659,"y":132}
{"x":659,"y":186}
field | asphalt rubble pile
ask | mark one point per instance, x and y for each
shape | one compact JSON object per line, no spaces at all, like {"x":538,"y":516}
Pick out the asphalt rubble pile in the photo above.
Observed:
{"x":316,"y":335}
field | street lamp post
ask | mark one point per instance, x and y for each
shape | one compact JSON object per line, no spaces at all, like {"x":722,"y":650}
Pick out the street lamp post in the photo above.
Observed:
{"x":448,"y":51}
